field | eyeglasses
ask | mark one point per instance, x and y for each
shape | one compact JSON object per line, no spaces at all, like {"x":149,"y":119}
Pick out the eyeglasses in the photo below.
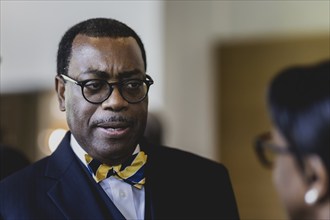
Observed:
{"x":266,"y":150}
{"x":97,"y":91}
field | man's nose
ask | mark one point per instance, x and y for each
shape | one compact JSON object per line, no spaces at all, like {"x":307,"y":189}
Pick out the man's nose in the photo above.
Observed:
{"x":115,"y":102}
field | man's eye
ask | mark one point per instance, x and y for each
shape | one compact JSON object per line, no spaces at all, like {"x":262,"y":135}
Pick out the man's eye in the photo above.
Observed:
{"x":133,"y":84}
{"x":94,"y":85}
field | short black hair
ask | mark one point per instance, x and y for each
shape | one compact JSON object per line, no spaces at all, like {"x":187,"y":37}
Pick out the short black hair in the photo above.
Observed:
{"x":299,"y":103}
{"x":94,"y":27}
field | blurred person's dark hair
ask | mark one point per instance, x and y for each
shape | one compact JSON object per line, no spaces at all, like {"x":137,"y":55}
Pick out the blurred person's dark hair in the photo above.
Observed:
{"x":299,"y":103}
{"x":154,"y":130}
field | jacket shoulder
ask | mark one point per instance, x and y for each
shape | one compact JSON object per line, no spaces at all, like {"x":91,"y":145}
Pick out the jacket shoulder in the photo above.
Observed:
{"x":173,"y":157}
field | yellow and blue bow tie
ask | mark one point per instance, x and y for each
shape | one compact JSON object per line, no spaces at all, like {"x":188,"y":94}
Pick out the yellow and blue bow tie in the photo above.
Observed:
{"x":132,"y":171}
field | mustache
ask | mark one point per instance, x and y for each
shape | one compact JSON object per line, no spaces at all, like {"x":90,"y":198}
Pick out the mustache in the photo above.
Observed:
{"x":123,"y":119}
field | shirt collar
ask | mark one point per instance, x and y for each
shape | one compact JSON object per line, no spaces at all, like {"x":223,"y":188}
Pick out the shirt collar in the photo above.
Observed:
{"x":80,"y":152}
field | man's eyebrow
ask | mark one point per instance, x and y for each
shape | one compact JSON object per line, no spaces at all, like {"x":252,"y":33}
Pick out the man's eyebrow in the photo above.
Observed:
{"x":121,"y":75}
{"x":98,"y":73}
{"x":128,"y":74}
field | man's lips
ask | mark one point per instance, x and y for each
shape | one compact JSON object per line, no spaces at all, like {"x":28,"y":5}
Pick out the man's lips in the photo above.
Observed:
{"x":114,"y":129}
{"x":115,"y":133}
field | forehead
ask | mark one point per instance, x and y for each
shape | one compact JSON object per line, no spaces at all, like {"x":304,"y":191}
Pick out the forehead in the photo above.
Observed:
{"x":101,"y":42}
{"x":106,"y":54}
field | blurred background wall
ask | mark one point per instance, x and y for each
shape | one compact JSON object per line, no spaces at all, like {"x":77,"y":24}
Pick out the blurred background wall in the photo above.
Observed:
{"x":211,"y":61}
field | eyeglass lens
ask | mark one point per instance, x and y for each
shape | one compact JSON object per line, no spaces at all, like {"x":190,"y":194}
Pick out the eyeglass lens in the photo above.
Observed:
{"x":264,"y":150}
{"x":97,"y":91}
{"x":268,"y":155}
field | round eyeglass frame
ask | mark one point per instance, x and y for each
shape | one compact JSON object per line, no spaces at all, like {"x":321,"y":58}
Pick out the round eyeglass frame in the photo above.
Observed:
{"x":261,"y":146}
{"x":148,"y":82}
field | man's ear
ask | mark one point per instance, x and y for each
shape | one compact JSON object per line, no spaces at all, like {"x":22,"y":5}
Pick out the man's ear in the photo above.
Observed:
{"x":60,"y":90}
{"x":318,"y":185}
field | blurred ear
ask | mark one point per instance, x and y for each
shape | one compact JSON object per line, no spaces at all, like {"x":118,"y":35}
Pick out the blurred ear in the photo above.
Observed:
{"x":60,"y":90}
{"x":319,"y":180}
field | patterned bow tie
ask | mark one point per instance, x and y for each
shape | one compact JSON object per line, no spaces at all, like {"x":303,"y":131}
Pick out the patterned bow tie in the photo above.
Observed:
{"x":132,"y":171}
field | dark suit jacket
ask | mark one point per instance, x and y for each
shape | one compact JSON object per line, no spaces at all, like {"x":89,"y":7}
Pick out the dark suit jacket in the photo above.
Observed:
{"x":179,"y":185}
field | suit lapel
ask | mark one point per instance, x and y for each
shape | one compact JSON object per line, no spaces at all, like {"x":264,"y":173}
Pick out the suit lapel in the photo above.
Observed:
{"x":158,"y":199}
{"x":152,"y":186}
{"x":74,"y":192}
{"x":149,"y":209}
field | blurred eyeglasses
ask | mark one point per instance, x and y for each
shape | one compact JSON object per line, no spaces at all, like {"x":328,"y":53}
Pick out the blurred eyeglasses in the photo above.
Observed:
{"x":266,"y":150}
{"x":97,"y":91}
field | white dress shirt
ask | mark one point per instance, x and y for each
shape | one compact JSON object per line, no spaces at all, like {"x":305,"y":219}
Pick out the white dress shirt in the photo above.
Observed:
{"x":127,"y":198}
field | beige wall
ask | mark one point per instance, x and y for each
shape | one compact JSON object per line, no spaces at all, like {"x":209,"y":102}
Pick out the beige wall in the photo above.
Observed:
{"x":192,"y":30}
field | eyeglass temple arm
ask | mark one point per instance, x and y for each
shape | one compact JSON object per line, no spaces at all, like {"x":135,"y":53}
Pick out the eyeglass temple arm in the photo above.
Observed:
{"x":66,"y":78}
{"x":149,"y":80}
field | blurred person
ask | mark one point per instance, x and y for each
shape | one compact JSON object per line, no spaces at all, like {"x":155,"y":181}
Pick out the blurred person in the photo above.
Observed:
{"x":104,"y":168}
{"x":154,"y":130}
{"x":299,"y":106}
{"x":11,"y":160}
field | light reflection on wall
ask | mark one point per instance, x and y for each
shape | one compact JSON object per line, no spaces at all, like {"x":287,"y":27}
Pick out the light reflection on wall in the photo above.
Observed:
{"x":43,"y":137}
{"x":52,"y":124}
{"x":55,"y":138}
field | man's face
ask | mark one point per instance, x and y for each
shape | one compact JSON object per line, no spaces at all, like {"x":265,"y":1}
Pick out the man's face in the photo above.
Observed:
{"x":108,"y":131}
